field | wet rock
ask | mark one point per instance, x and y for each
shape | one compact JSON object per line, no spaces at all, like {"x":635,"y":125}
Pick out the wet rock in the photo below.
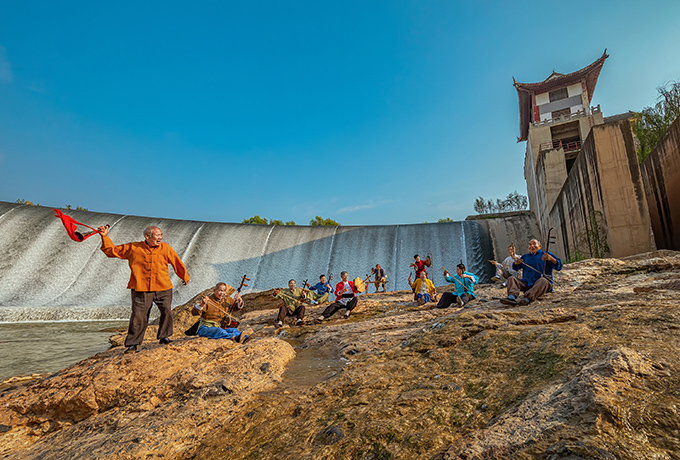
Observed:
{"x":329,"y":436}
{"x":452,"y":387}
{"x":588,"y":371}
{"x":416,"y":395}
{"x":166,"y":392}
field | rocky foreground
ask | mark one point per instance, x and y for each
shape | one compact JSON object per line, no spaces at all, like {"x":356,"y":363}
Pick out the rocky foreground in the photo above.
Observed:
{"x":589,"y":372}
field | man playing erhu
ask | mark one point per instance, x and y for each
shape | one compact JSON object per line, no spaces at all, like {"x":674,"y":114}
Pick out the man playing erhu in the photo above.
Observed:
{"x":293,"y":303}
{"x":320,"y":291}
{"x":537,"y":269}
{"x":216,"y":308}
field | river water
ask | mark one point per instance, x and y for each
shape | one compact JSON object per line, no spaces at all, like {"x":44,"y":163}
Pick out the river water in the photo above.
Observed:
{"x":47,"y":347}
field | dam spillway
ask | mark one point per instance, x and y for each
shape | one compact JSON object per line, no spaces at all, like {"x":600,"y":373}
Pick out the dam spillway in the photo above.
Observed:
{"x":46,"y":275}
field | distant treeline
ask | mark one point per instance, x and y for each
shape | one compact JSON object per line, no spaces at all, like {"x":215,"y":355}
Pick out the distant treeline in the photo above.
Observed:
{"x":317,"y":221}
{"x":67,"y":207}
{"x":513,"y":202}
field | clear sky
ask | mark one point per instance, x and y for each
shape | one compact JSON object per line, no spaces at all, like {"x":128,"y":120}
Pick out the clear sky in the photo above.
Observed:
{"x":367,"y":112}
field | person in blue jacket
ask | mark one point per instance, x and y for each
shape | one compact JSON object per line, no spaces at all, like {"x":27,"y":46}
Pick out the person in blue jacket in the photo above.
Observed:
{"x":319,"y":292}
{"x":537,"y":270}
{"x":465,"y":288}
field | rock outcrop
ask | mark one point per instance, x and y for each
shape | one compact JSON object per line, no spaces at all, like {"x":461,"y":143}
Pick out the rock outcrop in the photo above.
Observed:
{"x":153,"y":404}
{"x":589,"y":371}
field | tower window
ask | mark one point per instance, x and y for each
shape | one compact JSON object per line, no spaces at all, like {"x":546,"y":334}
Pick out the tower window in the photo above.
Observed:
{"x":558,"y":94}
{"x":561,"y":113}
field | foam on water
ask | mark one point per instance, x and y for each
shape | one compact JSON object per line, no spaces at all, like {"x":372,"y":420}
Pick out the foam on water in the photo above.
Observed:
{"x":45,"y":274}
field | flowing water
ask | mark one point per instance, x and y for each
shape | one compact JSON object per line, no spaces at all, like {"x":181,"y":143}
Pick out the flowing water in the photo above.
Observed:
{"x":56,"y":294}
{"x":43,"y":272}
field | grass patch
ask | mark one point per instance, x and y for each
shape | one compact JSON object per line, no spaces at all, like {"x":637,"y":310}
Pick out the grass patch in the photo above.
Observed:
{"x":474,"y":391}
{"x":540,"y":366}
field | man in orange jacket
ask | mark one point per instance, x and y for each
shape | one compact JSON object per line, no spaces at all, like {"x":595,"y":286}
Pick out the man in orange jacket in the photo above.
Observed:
{"x":149,"y":281}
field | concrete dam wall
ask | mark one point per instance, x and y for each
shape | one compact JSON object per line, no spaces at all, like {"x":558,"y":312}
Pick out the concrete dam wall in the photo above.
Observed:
{"x":44,"y":275}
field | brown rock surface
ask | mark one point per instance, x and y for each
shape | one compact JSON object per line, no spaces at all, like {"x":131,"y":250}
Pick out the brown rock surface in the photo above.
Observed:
{"x":590,"y":371}
{"x":157,"y":403}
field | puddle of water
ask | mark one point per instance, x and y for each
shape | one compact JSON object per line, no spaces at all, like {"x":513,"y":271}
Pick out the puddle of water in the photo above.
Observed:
{"x":310,"y":366}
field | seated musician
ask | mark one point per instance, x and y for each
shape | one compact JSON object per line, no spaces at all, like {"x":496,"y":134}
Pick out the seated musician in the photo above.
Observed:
{"x":319,"y":292}
{"x":293,"y":303}
{"x":465,"y":288}
{"x":537,"y":271}
{"x":505,"y":269}
{"x":214,"y":309}
{"x":345,"y":297}
{"x":423,"y":288}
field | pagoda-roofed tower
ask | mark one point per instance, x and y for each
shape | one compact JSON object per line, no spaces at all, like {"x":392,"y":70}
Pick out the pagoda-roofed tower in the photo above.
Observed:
{"x":555,"y":117}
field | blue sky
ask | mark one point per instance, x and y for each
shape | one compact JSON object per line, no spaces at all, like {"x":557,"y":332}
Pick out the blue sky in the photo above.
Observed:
{"x":371,"y":112}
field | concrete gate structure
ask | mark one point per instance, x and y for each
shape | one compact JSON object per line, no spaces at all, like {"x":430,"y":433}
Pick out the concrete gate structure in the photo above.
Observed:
{"x":581,"y":169}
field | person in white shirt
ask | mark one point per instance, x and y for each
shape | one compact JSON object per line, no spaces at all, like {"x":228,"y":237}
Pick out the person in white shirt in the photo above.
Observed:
{"x":505,"y":269}
{"x":345,"y":297}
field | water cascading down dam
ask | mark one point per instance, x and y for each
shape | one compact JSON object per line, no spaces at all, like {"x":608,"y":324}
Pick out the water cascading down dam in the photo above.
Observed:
{"x":44,"y":275}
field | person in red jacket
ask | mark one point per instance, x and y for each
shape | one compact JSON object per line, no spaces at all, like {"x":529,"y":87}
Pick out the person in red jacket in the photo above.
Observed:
{"x":149,"y":281}
{"x":345,"y":297}
{"x":419,"y":265}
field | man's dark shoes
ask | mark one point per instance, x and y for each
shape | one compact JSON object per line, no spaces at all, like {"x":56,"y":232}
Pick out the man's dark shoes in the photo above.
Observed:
{"x":510,"y":300}
{"x":299,"y":322}
{"x":131,"y":349}
{"x":523,"y":301}
{"x":164,"y":341}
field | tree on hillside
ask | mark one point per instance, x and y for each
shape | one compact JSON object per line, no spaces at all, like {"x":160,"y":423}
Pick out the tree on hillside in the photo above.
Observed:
{"x":26,"y":202}
{"x":262,"y":221}
{"x":653,"y":122}
{"x":513,"y":202}
{"x":448,"y":219}
{"x":255,"y":220}
{"x":318,"y":220}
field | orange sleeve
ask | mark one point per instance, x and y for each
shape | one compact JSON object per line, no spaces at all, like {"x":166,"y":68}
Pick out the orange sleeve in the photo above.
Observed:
{"x":177,"y":265}
{"x":122,"y":251}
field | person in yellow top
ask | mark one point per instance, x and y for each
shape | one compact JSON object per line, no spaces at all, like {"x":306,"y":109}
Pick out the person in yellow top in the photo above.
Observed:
{"x":149,"y":281}
{"x":213,"y":309}
{"x":423,"y":288}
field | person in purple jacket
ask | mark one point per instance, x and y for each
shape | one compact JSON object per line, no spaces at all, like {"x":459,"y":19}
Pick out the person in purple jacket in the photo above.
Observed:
{"x":537,"y":269}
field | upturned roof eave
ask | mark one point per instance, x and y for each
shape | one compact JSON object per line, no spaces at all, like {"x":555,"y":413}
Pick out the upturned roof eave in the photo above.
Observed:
{"x":590,"y":73}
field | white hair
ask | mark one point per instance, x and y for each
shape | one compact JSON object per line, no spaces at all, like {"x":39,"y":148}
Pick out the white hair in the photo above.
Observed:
{"x":149,"y":230}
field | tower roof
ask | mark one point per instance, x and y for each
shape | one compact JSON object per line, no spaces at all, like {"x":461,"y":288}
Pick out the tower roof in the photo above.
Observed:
{"x":556,"y":80}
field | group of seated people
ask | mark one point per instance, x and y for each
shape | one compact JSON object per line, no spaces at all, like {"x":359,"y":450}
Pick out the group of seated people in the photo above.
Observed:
{"x":294,"y":299}
{"x":534,"y":280}
{"x":464,"y":282}
{"x":529,"y":274}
